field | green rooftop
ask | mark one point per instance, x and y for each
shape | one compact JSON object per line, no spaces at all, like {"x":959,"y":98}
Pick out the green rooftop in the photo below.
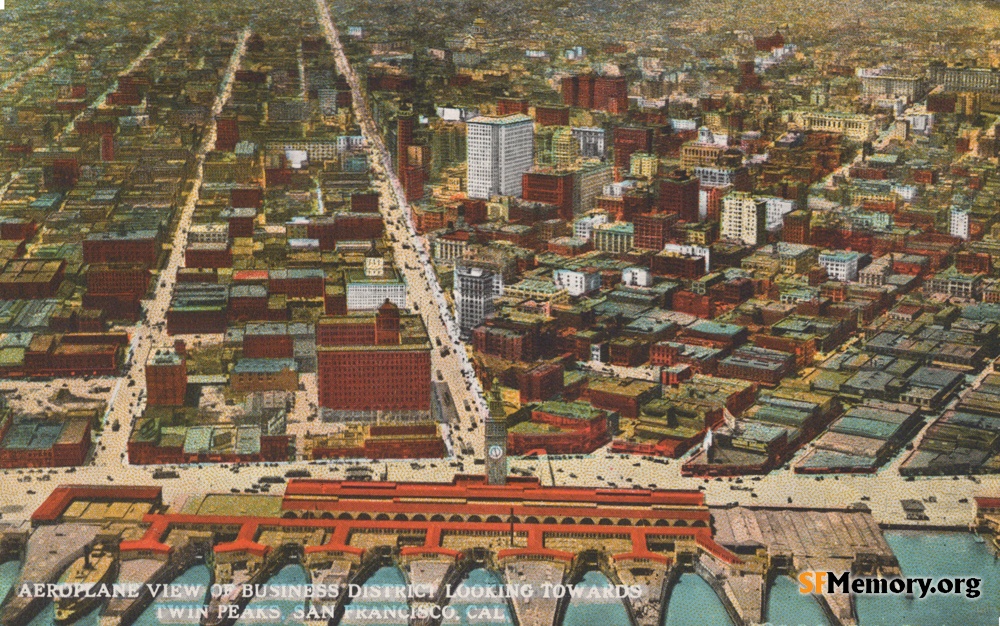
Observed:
{"x":576,"y":410}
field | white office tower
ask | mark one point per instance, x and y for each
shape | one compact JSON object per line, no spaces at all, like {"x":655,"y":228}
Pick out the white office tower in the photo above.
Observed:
{"x":500,"y":150}
{"x":960,"y":222}
{"x":473,"y":297}
{"x":744,"y":218}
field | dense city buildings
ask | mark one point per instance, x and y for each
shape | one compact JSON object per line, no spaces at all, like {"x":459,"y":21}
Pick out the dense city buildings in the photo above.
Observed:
{"x":538,"y":287}
{"x":670,"y":223}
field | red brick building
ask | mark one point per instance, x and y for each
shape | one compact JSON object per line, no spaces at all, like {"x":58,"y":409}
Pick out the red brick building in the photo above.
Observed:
{"x":540,"y":382}
{"x":248,"y":302}
{"x":769,"y":42}
{"x":17,"y":228}
{"x":973,"y":262}
{"x":246,"y":198}
{"x":512,"y":345}
{"x":241,"y":221}
{"x":404,"y":138}
{"x":759,"y":365}
{"x":208,"y":254}
{"x":267,"y":341}
{"x":627,"y":141}
{"x":377,"y":362}
{"x":551,"y":115}
{"x":166,"y":378}
{"x":413,"y":178}
{"x":53,"y":443}
{"x":558,"y":428}
{"x":678,"y":193}
{"x":604,"y":93}
{"x":355,"y":227}
{"x":65,"y":173}
{"x":107,"y":147}
{"x":334,"y":299}
{"x":699,"y":305}
{"x":652,"y":231}
{"x":796,"y":227}
{"x":364,"y":202}
{"x":510,"y":106}
{"x":74,"y":354}
{"x":31,"y":278}
{"x":474,"y":211}
{"x":227,"y":134}
{"x":297,"y":283}
{"x":550,"y":187}
{"x":142,"y":246}
{"x":678,"y":265}
{"x":611,"y":94}
{"x":118,"y":279}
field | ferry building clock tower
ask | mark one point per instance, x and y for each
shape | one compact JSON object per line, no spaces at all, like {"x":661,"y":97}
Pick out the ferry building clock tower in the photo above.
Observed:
{"x":496,"y":439}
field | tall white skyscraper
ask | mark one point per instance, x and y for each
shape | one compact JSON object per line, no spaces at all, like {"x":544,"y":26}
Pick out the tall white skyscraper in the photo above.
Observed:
{"x":500,"y":150}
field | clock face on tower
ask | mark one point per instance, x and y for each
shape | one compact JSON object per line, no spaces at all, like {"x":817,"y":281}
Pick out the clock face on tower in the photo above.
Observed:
{"x":495,"y":452}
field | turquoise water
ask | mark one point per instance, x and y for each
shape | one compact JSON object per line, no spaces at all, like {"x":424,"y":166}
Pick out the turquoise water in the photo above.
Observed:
{"x":9,"y":572}
{"x":584,"y":612}
{"x":387,"y":581}
{"x":937,"y":555}
{"x":467,"y":609}
{"x":789,"y":607}
{"x":257,"y":612}
{"x":694,"y":603}
{"x":198,"y":575}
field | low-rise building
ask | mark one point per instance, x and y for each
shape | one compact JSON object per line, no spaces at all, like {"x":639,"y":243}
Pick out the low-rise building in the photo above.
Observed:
{"x":264,"y":375}
{"x":840,"y":264}
{"x":559,"y":428}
